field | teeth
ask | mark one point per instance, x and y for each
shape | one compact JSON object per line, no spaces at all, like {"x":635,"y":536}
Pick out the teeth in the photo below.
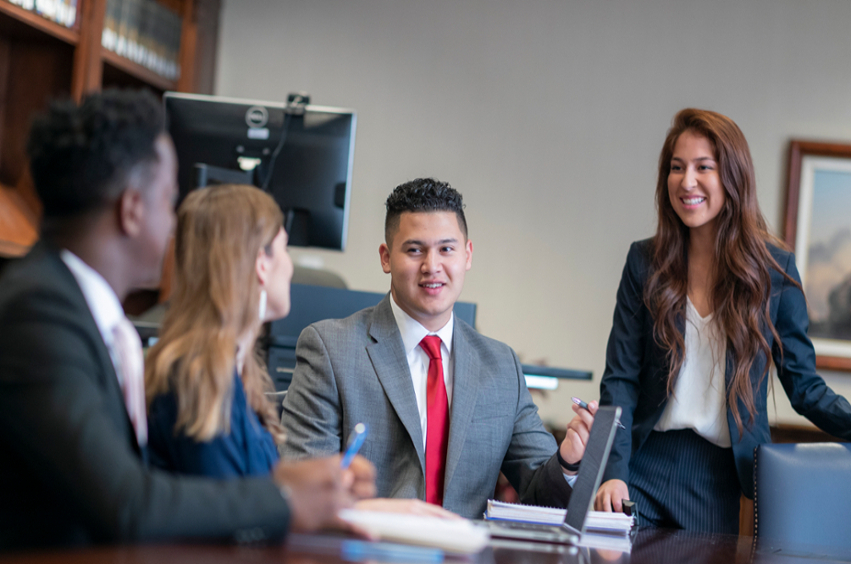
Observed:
{"x":692,"y":201}
{"x":432,"y":285}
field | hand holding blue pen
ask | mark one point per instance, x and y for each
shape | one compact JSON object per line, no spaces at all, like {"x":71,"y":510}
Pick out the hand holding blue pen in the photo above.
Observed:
{"x":356,"y":439}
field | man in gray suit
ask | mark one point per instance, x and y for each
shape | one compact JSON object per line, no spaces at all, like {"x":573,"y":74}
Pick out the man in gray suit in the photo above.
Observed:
{"x":447,"y":408}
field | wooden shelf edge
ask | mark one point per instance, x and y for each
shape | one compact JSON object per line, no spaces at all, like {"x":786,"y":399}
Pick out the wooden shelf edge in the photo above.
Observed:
{"x":68,"y":35}
{"x":8,"y":249}
{"x":137,"y":70}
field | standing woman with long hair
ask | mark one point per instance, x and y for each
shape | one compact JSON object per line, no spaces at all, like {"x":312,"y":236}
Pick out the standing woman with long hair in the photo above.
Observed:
{"x":208,"y":410}
{"x":702,"y":308}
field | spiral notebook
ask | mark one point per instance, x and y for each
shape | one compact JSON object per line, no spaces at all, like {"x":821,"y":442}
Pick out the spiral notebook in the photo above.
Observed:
{"x":595,"y":521}
{"x":575,"y":522}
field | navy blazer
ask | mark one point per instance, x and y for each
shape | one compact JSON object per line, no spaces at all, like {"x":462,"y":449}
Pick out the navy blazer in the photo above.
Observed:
{"x":636,"y":369}
{"x":247,"y":450}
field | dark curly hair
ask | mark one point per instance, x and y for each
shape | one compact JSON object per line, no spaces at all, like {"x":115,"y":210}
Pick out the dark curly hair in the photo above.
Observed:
{"x":422,"y":195}
{"x":81,"y":157}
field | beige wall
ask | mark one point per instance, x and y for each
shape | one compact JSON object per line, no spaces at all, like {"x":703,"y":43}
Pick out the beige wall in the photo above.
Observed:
{"x":548,"y":115}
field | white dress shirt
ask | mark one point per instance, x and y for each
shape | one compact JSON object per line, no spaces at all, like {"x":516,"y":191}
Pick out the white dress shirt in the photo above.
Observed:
{"x":699,"y":401}
{"x":412,"y":333}
{"x":118,"y":335}
{"x":101,"y":299}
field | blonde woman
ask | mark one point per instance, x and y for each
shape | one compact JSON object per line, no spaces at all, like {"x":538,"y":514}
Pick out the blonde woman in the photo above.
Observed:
{"x":208,"y":412}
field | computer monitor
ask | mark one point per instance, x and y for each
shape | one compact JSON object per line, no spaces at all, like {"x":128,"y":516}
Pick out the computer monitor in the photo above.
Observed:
{"x":301,"y":154}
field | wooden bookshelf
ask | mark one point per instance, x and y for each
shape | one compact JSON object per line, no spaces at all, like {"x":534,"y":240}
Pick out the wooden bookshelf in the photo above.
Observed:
{"x":135,"y":73}
{"x":16,"y":21}
{"x":41,"y":60}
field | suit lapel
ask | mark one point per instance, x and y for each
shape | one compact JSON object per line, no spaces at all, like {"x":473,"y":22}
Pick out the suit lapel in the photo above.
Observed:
{"x":391,"y":366}
{"x":107,"y":378}
{"x":464,"y":395}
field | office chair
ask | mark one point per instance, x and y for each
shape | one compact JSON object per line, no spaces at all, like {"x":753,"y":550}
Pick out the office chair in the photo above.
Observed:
{"x":802,"y":494}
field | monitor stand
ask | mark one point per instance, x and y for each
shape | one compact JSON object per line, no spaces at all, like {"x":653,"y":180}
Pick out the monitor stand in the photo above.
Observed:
{"x":208,"y":174}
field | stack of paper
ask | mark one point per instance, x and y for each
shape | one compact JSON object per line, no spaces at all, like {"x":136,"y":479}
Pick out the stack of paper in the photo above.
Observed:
{"x":452,"y":535}
{"x":620,"y":543}
{"x":595,"y":521}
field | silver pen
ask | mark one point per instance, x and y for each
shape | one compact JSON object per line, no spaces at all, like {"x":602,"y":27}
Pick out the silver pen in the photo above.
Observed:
{"x":584,"y":406}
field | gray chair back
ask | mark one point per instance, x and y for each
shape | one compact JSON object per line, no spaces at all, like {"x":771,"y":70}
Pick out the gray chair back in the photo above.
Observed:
{"x":803,"y":493}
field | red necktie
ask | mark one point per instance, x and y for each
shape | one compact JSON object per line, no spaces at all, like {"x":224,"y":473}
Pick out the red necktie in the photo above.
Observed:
{"x":437,"y":435}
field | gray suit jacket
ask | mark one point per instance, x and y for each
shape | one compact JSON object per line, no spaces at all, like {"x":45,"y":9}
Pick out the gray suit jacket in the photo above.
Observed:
{"x":354,"y":370}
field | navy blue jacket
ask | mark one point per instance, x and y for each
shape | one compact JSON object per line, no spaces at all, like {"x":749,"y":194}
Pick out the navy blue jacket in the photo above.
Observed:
{"x":636,"y":369}
{"x":247,"y":450}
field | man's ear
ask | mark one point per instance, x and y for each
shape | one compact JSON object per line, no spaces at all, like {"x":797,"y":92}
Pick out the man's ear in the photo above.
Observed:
{"x":384,"y":253}
{"x":131,"y":212}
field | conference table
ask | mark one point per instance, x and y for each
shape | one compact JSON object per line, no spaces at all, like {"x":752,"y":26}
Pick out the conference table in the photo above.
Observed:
{"x":650,"y":546}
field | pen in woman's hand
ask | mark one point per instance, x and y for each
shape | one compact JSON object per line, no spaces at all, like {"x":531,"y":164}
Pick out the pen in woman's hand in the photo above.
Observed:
{"x":584,"y":406}
{"x":356,"y":439}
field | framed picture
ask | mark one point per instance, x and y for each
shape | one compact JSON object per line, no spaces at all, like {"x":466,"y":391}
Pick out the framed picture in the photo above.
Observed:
{"x":818,"y":228}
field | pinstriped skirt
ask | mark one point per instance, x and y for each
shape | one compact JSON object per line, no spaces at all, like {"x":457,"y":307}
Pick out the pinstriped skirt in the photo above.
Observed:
{"x":680,"y":480}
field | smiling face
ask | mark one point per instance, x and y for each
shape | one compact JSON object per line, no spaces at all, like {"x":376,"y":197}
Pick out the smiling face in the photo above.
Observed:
{"x":427,"y":260}
{"x":694,"y":185}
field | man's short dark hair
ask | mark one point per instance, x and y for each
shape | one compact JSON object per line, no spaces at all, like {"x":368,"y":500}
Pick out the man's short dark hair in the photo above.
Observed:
{"x":81,"y":157}
{"x":422,"y":195}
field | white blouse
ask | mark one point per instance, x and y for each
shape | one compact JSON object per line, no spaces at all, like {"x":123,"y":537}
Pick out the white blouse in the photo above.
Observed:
{"x":699,"y":399}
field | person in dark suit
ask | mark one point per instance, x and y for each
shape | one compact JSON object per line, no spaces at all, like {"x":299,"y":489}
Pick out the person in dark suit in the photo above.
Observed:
{"x":702,"y":309}
{"x":73,"y":430}
{"x":444,"y":418}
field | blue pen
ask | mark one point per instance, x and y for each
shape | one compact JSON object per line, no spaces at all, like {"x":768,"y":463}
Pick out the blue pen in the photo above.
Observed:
{"x":356,"y":440}
{"x":584,"y":406}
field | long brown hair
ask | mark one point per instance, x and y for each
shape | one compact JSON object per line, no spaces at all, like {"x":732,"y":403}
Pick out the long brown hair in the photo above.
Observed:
{"x":214,"y":305}
{"x":742,"y":259}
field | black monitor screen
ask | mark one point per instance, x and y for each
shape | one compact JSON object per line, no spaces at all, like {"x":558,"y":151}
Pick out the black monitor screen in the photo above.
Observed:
{"x":304,"y":159}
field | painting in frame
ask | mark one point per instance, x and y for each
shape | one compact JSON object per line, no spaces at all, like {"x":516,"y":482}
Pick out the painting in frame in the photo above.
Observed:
{"x":818,"y":228}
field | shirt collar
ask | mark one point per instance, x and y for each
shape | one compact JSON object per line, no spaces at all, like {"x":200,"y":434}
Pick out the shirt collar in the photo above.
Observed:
{"x":413,"y":331}
{"x":100,"y":297}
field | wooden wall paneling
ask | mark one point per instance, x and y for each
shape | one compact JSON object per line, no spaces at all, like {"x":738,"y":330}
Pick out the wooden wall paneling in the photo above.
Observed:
{"x":18,"y":224}
{"x":18,"y":217}
{"x":40,"y":71}
{"x":122,"y":72}
{"x":5,"y":63}
{"x":18,"y":22}
{"x":745,"y":517}
{"x":206,"y":43}
{"x":188,"y":40}
{"x":88,"y":66}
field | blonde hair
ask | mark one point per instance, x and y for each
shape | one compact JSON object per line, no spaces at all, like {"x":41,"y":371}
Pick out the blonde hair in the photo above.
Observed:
{"x":214,"y":305}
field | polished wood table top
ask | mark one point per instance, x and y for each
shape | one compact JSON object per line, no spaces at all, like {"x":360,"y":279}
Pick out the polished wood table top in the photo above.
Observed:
{"x":650,"y":546}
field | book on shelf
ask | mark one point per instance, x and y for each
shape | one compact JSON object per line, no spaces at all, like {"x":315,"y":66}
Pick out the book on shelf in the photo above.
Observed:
{"x":63,"y":12}
{"x":145,"y":32}
{"x":595,"y":521}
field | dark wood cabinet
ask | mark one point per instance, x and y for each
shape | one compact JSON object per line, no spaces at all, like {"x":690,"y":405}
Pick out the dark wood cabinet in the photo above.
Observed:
{"x":41,"y":60}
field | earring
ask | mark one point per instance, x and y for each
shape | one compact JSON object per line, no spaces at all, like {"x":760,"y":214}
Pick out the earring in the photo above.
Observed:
{"x":262,"y":304}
